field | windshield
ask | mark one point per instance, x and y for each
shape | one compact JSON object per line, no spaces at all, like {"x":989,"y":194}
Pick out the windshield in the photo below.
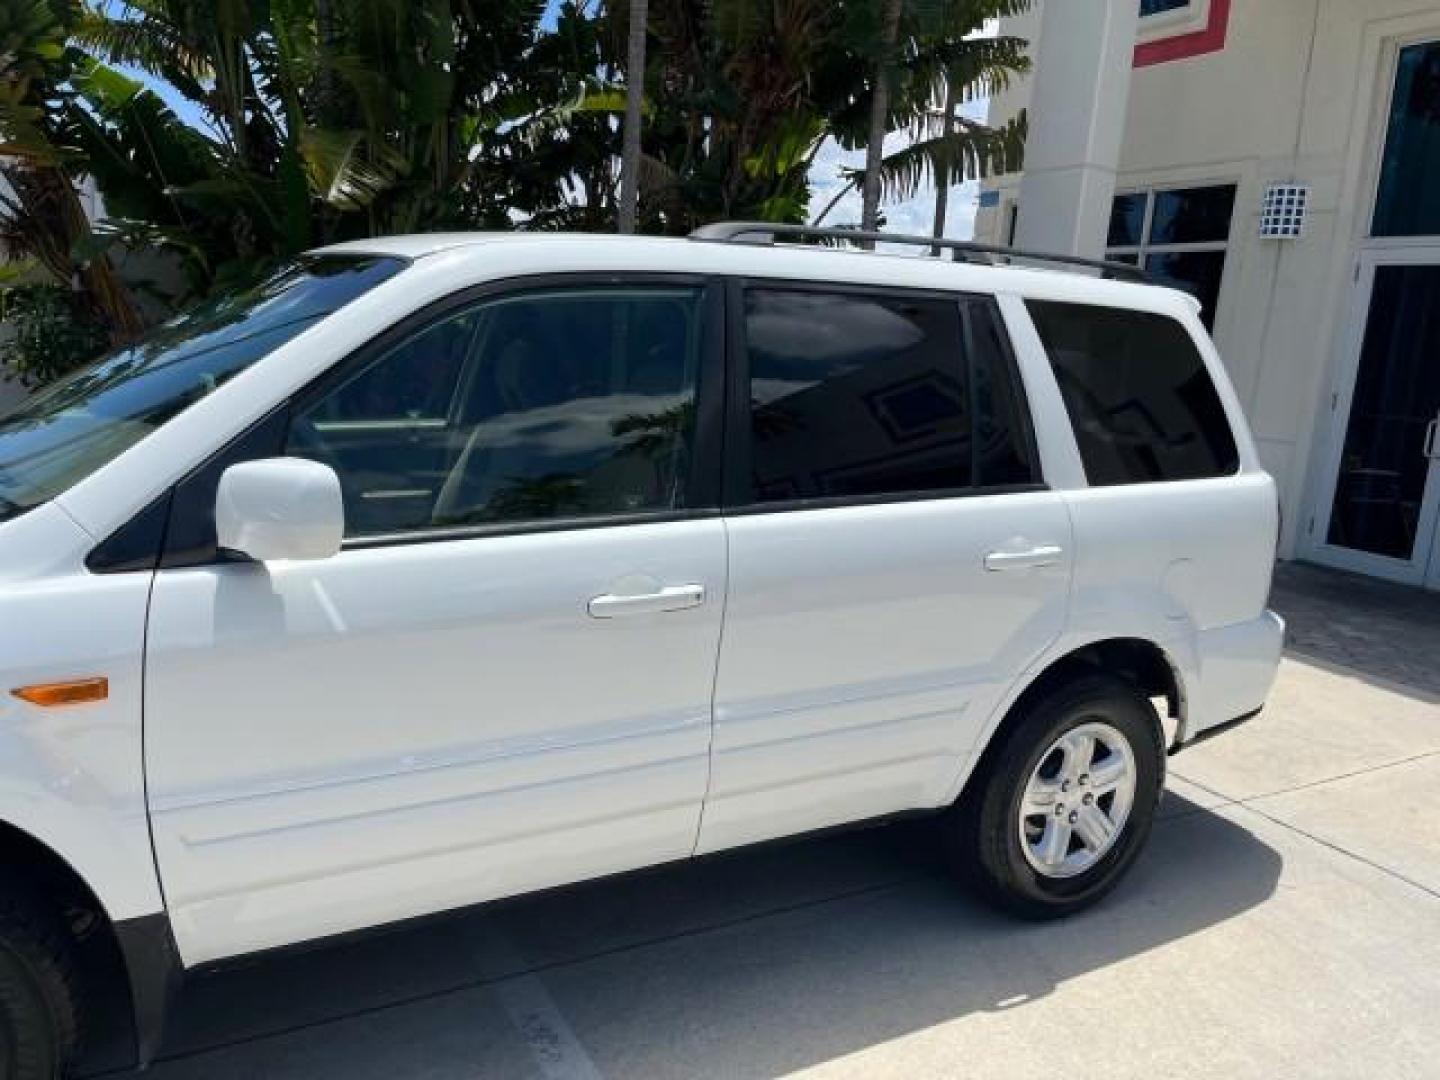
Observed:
{"x":67,"y":431}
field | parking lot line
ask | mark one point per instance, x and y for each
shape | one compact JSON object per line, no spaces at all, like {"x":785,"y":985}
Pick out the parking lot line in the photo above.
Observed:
{"x":552,"y":1043}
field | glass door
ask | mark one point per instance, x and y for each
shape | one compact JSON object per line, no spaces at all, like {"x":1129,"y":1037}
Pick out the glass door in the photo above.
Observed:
{"x":1383,"y":501}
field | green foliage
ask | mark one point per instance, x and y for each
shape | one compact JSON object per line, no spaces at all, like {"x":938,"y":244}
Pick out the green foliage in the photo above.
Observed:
{"x":328,"y":120}
{"x":745,"y":92}
{"x":45,"y":332}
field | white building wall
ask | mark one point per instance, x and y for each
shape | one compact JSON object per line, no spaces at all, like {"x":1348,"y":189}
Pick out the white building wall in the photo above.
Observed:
{"x":1298,"y":93}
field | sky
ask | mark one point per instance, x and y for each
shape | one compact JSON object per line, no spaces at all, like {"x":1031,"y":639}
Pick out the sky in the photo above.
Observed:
{"x":915,"y":215}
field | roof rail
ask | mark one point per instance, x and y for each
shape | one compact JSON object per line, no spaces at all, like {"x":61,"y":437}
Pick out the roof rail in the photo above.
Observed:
{"x":968,"y":251}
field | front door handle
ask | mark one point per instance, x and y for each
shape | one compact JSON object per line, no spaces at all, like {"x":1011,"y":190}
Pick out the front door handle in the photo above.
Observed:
{"x":673,"y":598}
{"x":1430,"y":430}
{"x":1047,"y":555}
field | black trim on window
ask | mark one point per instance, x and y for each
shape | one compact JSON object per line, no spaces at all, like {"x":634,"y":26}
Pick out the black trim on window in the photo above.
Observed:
{"x":704,"y":490}
{"x":443,"y":533}
{"x":738,"y":461}
{"x":1011,"y":363}
{"x":738,"y":483}
{"x":137,"y":544}
{"x":790,"y":506}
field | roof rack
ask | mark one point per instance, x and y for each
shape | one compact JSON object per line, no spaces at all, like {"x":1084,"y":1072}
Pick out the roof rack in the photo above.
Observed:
{"x":960,"y":250}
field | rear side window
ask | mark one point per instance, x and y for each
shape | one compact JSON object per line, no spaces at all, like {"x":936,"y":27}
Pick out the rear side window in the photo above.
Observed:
{"x":1142,"y":403}
{"x":860,"y":396}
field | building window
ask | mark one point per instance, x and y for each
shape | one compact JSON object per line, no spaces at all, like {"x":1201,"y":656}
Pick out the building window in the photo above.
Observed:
{"x":1409,"y":198}
{"x":1180,"y":236}
{"x":1159,"y":7}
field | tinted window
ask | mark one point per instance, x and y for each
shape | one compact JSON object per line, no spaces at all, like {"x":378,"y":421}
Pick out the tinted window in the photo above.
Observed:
{"x":560,"y":404}
{"x":1138,"y":393}
{"x":1200,"y":273}
{"x":66,"y":432}
{"x":416,"y":381}
{"x":857,"y":396}
{"x":1193,"y":215}
{"x":1178,"y":236}
{"x":1127,"y":220}
{"x":1408,"y":203}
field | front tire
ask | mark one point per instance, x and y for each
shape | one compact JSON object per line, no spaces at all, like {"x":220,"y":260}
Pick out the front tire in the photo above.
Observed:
{"x":1067,"y":802}
{"x":38,"y":1014}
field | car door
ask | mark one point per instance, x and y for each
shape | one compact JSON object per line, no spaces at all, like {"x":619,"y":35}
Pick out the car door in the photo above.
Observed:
{"x":503,"y":686}
{"x":895,"y":558}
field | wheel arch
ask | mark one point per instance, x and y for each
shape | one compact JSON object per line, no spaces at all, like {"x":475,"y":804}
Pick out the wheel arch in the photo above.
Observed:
{"x":138,"y":953}
{"x":1149,"y":667}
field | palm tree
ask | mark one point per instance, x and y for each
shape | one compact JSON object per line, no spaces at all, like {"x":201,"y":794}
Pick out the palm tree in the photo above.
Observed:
{"x":734,"y":124}
{"x":943,"y":60}
{"x":885,"y":66}
{"x":327,"y":121}
{"x":634,"y":96}
{"x":942,"y":169}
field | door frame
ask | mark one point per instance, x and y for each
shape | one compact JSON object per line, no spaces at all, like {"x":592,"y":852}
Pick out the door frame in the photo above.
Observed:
{"x":1423,"y":568}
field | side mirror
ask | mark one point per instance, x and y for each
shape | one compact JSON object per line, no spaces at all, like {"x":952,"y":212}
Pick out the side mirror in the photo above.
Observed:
{"x":280,"y":508}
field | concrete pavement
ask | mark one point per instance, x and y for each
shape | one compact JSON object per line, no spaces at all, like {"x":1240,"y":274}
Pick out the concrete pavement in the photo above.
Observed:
{"x":1285,"y":921}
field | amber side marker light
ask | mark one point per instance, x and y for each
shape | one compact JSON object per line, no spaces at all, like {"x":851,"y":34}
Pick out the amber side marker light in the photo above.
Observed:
{"x":71,"y":692}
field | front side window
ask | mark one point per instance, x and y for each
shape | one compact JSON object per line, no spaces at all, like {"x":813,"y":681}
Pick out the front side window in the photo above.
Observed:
{"x":1180,"y":236}
{"x":859,"y":396}
{"x":1160,"y":7}
{"x":1140,"y":398}
{"x":64,"y":433}
{"x":558,"y":404}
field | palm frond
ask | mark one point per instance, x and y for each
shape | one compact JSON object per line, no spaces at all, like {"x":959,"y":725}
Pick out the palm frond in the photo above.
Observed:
{"x":347,"y":171}
{"x":972,"y":151}
{"x":149,"y":43}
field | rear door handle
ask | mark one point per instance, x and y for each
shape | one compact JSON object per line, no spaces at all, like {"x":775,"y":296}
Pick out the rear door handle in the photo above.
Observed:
{"x":1048,"y":555}
{"x":673,"y":598}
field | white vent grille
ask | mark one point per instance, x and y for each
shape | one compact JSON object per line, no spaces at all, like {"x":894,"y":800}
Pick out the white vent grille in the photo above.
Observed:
{"x":1283,"y":213}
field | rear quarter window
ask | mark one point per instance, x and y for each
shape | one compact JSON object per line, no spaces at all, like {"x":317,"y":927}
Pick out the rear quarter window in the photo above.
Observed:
{"x":1142,"y":403}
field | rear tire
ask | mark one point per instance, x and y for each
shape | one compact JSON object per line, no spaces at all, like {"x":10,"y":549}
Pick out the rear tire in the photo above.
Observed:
{"x":1066,"y":804}
{"x":38,"y":1002}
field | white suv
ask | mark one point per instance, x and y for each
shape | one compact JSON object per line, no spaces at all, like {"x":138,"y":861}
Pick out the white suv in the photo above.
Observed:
{"x":443,"y":568}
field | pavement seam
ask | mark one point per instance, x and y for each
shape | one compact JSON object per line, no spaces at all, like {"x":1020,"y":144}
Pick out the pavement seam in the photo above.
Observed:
{"x":534,"y":1013}
{"x":1333,"y":846}
{"x":1248,"y":799}
{"x":1246,"y":804}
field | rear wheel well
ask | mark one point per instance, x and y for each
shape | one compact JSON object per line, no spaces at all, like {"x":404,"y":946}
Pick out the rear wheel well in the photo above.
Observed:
{"x":1139,"y":663}
{"x":49,"y":883}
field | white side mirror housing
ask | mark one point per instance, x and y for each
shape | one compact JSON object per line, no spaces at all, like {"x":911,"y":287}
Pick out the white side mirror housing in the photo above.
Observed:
{"x":280,"y":508}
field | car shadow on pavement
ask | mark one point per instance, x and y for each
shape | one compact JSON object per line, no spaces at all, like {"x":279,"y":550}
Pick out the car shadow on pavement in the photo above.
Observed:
{"x":745,"y":965}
